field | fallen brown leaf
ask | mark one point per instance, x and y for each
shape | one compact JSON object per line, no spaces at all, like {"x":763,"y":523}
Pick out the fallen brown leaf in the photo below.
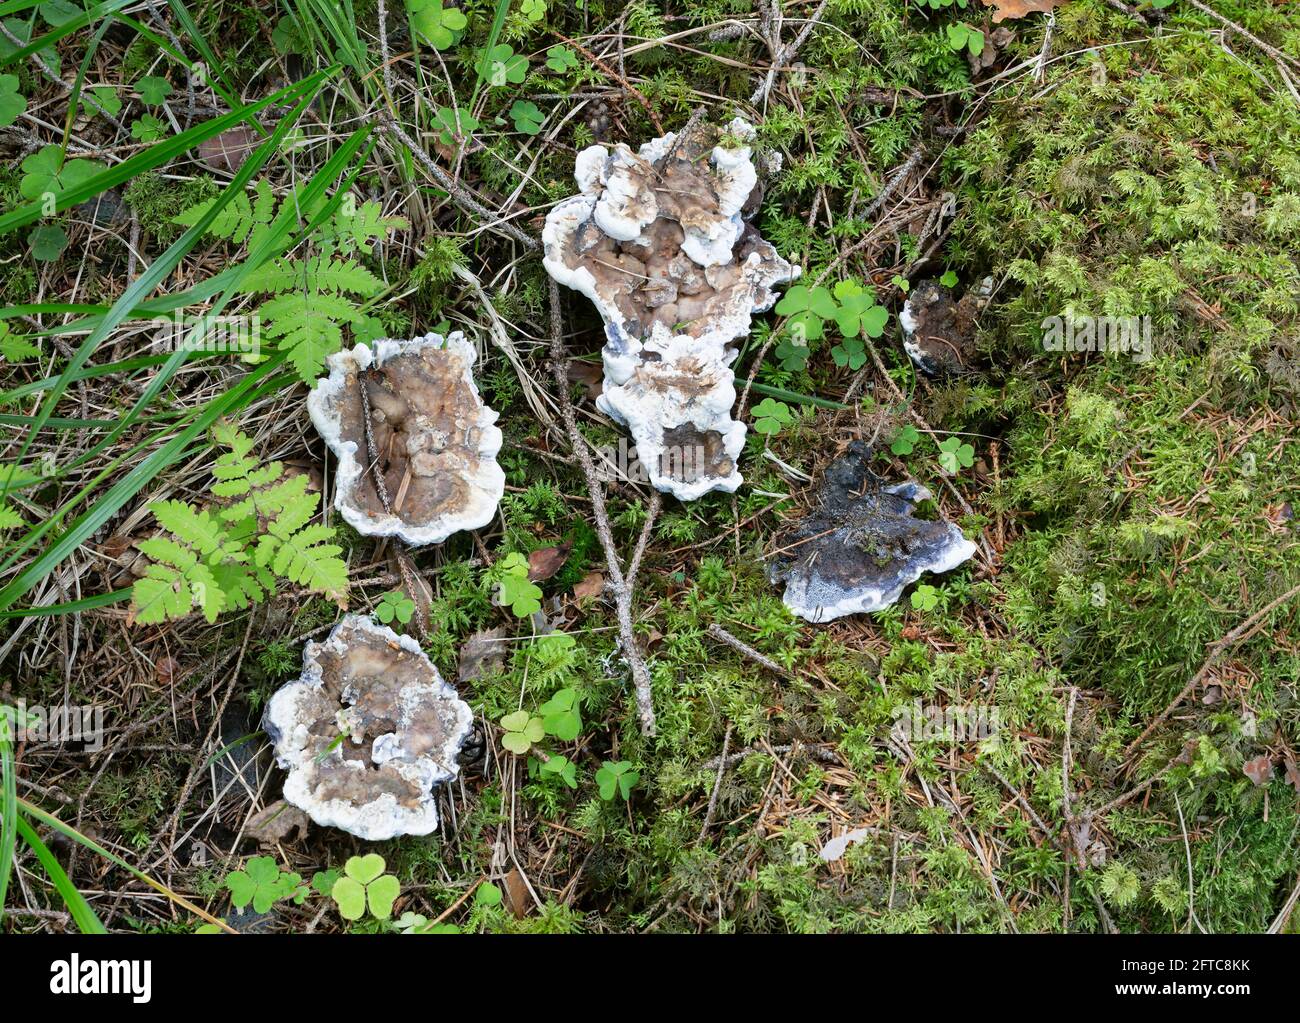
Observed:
{"x":1293,"y":774}
{"x":591,"y":585}
{"x":546,"y":561}
{"x":1260,"y":769}
{"x":166,"y":668}
{"x":481,"y":654}
{"x":1005,"y":9}
{"x":514,"y":889}
{"x":227,"y":151}
{"x":276,"y":823}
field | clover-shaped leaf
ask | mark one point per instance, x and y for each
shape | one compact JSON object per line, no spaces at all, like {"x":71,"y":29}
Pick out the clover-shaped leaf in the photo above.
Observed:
{"x":436,"y":24}
{"x":261,"y":882}
{"x":792,"y":355}
{"x":770,"y":416}
{"x":533,"y":10}
{"x":454,"y":123}
{"x":12,"y":102}
{"x":395,"y":605}
{"x":411,"y":923}
{"x":925,"y":597}
{"x":616,"y":776}
{"x":47,"y":242}
{"x":501,"y":65}
{"x":148,"y":129}
{"x":901,"y":283}
{"x":287,"y":37}
{"x":363,"y":884}
{"x":955,"y":456}
{"x":563,"y":768}
{"x":858,"y":312}
{"x":106,"y":101}
{"x":521,"y":730}
{"x":561,"y":716}
{"x":906,"y":440}
{"x":949,"y":279}
{"x":45,"y":171}
{"x":806,"y":309}
{"x":561,"y":59}
{"x":488,"y":895}
{"x":153,"y":90}
{"x":513,"y":588}
{"x":527,"y":116}
{"x":850,"y":353}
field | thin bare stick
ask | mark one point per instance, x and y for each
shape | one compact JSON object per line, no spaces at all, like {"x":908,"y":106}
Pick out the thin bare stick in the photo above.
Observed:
{"x":717,"y":785}
{"x":618,"y":583}
{"x":723,"y":636}
{"x":1217,"y":649}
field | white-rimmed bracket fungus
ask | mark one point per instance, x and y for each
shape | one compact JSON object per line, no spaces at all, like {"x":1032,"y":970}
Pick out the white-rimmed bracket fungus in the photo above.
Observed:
{"x":434,"y":440}
{"x":860,"y":546}
{"x":367,"y":732}
{"x":658,"y":240}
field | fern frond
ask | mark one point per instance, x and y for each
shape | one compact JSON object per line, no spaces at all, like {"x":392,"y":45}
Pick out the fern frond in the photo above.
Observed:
{"x":321,"y":274}
{"x":308,"y":327}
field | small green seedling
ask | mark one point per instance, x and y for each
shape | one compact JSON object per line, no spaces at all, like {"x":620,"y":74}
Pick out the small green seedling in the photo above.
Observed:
{"x":364,"y":884}
{"x":851,"y":353}
{"x":807,"y":309}
{"x":435,"y":24}
{"x":148,"y":129}
{"x":770,"y":416}
{"x":561,"y":767}
{"x":949,"y":279}
{"x":521,"y":730}
{"x":858,"y":312}
{"x":153,"y":90}
{"x":955,"y":456}
{"x":513,"y":587}
{"x":901,"y":283}
{"x":616,"y":777}
{"x":962,"y":36}
{"x":12,"y":102}
{"x":395,"y":605}
{"x":47,"y":242}
{"x":502,"y":66}
{"x":925,"y":598}
{"x":906,"y":441}
{"x":561,"y":59}
{"x":561,"y":716}
{"x":262,"y":883}
{"x":454,"y":124}
{"x":527,"y":117}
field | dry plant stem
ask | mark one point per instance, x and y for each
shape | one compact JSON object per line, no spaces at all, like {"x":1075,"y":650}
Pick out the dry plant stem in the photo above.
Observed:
{"x":627,"y":86}
{"x":1072,"y":823}
{"x":1217,"y":649}
{"x":717,"y":785}
{"x":620,"y":584}
{"x":783,"y":55}
{"x":476,"y":209}
{"x":1276,"y":54}
{"x":404,"y":564}
{"x":723,"y":636}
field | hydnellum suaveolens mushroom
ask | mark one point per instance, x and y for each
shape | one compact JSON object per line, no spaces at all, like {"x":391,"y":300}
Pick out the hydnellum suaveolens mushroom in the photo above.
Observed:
{"x":860,"y":547}
{"x":367,"y":732}
{"x":423,"y":425}
{"x":658,"y":240}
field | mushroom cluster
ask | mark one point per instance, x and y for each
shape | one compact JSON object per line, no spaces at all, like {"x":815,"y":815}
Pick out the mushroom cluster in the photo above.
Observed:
{"x":659,"y":241}
{"x":410,"y":409}
{"x":860,"y":546}
{"x":367,"y":731}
